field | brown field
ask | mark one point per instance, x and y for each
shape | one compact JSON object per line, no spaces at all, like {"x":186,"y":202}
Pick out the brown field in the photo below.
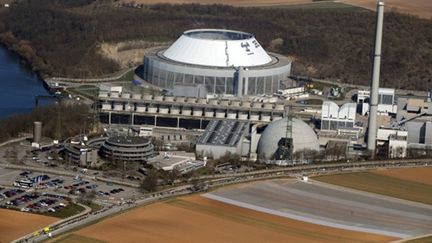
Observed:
{"x":420,"y":175}
{"x":14,"y":224}
{"x":422,"y":8}
{"x":197,"y":219}
{"x":244,"y":3}
{"x":396,"y":185}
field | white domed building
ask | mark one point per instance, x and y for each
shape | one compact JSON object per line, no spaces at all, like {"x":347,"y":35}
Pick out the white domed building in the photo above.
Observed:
{"x":303,"y":137}
{"x":223,"y":61}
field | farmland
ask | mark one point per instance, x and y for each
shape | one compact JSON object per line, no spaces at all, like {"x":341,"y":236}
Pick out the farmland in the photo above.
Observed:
{"x":197,"y":219}
{"x":14,"y":224}
{"x":390,"y":183}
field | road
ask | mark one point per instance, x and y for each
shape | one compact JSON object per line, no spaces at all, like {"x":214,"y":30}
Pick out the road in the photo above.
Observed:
{"x":223,"y":180}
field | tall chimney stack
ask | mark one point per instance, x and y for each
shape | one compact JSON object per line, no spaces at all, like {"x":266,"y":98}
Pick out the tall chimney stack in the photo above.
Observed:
{"x":373,"y":105}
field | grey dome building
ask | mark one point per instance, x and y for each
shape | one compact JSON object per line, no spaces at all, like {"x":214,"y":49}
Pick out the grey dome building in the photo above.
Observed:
{"x":303,"y":137}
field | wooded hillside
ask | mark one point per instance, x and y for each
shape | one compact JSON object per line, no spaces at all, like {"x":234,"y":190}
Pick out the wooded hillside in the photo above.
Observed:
{"x":61,"y":37}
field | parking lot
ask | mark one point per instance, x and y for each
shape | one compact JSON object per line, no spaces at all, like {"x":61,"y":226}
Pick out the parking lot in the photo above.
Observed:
{"x":43,"y":192}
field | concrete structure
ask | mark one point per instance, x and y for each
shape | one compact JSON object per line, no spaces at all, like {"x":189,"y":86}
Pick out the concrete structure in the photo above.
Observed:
{"x":398,"y":145}
{"x":82,"y":152}
{"x":127,"y":148}
{"x":372,"y":128}
{"x":222,"y":137}
{"x":415,"y":116}
{"x":386,"y":101}
{"x":37,"y":132}
{"x":224,"y":61}
{"x":172,"y":111}
{"x":303,"y":138}
{"x":338,"y":119}
{"x":190,"y":90}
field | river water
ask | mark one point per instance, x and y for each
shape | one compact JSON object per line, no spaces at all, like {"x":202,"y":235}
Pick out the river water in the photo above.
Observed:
{"x":18,"y":85}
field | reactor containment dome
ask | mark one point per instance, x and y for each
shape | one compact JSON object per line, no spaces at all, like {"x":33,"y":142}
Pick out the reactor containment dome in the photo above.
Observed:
{"x":303,"y":137}
{"x":223,"y":61}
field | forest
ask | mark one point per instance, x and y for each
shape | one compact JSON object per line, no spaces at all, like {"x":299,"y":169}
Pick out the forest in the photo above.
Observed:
{"x":62,"y":37}
{"x":58,"y":121}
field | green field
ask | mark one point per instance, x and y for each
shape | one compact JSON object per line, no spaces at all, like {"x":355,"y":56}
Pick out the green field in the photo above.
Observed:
{"x":72,"y":238}
{"x":380,"y":184}
{"x":427,"y":239}
{"x":66,"y":212}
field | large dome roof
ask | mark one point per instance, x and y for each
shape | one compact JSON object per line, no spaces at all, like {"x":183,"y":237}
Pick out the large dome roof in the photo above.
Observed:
{"x":303,"y":136}
{"x":218,"y":48}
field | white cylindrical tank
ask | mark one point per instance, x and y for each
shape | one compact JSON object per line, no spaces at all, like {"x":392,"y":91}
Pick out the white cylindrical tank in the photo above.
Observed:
{"x":163,"y":109}
{"x":152,"y":109}
{"x":224,"y":102}
{"x":128,"y":107}
{"x":231,"y":115}
{"x":279,"y":107}
{"x":265,"y":117}
{"x":147,"y":97}
{"x":220,"y":114}
{"x":186,"y":111}
{"x":213,"y":102}
{"x":103,"y":94}
{"x":136,"y":96}
{"x":276,"y":117}
{"x":175,"y":110}
{"x":169,"y":98}
{"x":202,"y":101}
{"x":37,"y":131}
{"x":106,"y":106}
{"x":268,"y":106}
{"x":257,"y":105}
{"x":114,"y":94}
{"x":141,"y":108}
{"x":180,"y":99}
{"x":197,"y":112}
{"x":191,"y":100}
{"x":118,"y":106}
{"x":246,"y":104}
{"x":235,"y":103}
{"x":126,"y":95}
{"x":158,"y":98}
{"x":254,"y":116}
{"x":272,"y":99}
{"x":243,"y":116}
{"x":209,"y":113}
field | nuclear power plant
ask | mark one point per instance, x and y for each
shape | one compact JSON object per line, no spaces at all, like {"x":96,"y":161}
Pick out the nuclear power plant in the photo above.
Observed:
{"x":223,"y":61}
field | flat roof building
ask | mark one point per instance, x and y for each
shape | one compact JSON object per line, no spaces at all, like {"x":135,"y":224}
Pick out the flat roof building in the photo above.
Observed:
{"x":222,"y":137}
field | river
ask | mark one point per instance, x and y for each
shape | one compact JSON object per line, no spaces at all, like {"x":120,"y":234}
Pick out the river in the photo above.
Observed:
{"x":18,"y":85}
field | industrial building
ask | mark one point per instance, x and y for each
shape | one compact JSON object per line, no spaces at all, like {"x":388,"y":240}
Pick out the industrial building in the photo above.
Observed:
{"x":338,"y":119}
{"x":81,"y":151}
{"x":302,"y":138}
{"x":225,"y":62}
{"x":183,"y":112}
{"x":127,"y":148}
{"x":223,"y":137}
{"x":386,"y":101}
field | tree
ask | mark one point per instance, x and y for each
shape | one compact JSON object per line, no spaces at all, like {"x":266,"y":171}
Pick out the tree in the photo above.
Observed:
{"x":150,"y":182}
{"x":87,"y":197}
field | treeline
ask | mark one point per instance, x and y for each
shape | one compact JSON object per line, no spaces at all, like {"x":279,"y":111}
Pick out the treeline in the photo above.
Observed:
{"x":58,"y":121}
{"x":61,"y":37}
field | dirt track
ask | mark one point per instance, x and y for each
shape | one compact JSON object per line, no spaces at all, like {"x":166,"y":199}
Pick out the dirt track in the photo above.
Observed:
{"x":14,"y":224}
{"x":244,"y":3}
{"x":422,"y":8}
{"x":422,"y":175}
{"x":197,"y":219}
